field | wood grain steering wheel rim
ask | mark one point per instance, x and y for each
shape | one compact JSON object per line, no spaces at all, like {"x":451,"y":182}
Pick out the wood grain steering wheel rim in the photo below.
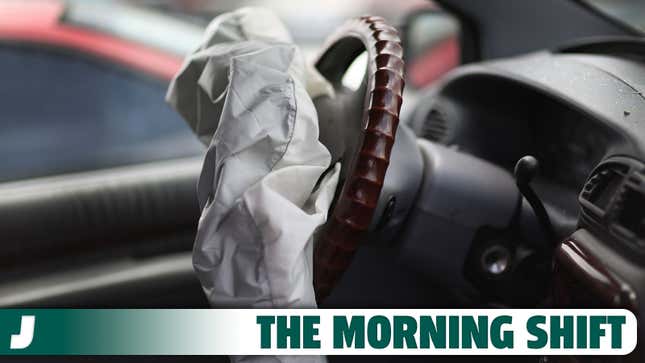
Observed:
{"x":372,"y":139}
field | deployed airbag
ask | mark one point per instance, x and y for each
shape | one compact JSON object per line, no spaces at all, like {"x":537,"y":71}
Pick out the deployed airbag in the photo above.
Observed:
{"x":264,"y":187}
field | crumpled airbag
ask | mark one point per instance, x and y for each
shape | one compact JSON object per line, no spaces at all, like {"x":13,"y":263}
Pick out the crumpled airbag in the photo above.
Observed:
{"x":247,"y":92}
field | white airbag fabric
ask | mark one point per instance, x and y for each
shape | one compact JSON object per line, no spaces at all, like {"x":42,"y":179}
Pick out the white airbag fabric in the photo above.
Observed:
{"x":245,"y":93}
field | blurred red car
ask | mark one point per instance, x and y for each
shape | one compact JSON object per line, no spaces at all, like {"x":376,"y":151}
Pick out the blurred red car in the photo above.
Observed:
{"x":52,"y":23}
{"x":83,"y":86}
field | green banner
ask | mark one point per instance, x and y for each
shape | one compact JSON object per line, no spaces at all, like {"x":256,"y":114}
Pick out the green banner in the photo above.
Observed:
{"x":316,"y":332}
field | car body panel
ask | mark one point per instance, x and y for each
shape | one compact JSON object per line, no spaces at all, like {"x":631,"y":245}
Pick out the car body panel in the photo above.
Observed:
{"x":39,"y":22}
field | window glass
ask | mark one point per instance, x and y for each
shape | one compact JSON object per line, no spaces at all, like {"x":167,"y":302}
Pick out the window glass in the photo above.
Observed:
{"x":62,"y":112}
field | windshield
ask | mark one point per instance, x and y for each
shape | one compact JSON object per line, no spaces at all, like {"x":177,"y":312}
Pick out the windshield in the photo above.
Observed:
{"x":628,"y":12}
{"x":176,"y":26}
{"x":309,"y":22}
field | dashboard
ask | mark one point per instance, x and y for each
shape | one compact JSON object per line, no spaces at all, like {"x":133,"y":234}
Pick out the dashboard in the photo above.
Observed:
{"x":581,"y":112}
{"x":493,"y":111}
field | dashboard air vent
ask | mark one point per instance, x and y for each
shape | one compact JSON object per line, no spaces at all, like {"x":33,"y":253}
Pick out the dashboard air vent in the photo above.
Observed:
{"x":628,"y":211}
{"x":603,"y":184}
{"x":613,"y":199}
{"x":435,"y":127}
{"x":631,"y":212}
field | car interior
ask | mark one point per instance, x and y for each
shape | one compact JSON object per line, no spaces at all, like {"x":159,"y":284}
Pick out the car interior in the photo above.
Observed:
{"x":515,"y":180}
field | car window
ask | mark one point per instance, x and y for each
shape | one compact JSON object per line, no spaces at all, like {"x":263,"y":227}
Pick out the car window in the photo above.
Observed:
{"x":62,"y":111}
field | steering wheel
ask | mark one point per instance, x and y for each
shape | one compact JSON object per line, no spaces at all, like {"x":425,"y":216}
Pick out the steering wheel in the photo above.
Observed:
{"x":358,"y":127}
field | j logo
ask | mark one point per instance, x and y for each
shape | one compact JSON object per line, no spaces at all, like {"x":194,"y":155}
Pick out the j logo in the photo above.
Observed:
{"x":23,"y":339}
